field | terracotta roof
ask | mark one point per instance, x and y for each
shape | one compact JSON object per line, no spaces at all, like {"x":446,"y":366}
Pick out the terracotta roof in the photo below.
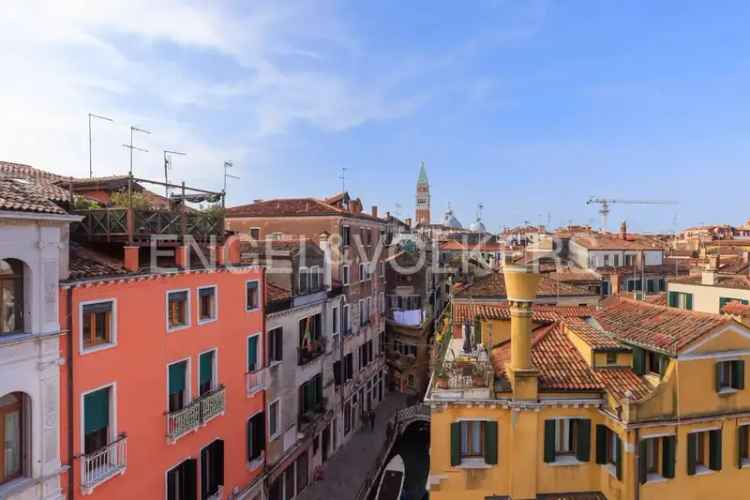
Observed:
{"x":293,"y":207}
{"x":612,"y":242}
{"x":541,"y":312}
{"x":736,"y":308}
{"x":741,"y":282}
{"x":667,"y":329}
{"x":622,"y":382}
{"x":561,"y":367}
{"x":87,"y":263}
{"x":592,"y":335}
{"x":274,"y":293}
{"x":24,"y":195}
{"x":493,"y":286}
{"x":575,"y":277}
{"x":45,"y":182}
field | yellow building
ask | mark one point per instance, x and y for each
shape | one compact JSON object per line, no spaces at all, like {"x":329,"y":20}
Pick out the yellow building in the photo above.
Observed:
{"x":632,"y":401}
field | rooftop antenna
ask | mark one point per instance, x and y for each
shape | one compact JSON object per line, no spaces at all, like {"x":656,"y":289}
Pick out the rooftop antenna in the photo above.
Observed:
{"x":480,"y":207}
{"x":398,"y":210}
{"x":168,"y":166}
{"x":343,"y":179}
{"x":98,"y":117}
{"x":131,"y":147}
{"x":227,"y":175}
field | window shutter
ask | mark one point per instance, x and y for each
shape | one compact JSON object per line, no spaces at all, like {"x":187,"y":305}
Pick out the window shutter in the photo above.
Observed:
{"x":260,"y":428}
{"x":337,"y":372}
{"x":642,"y":462}
{"x":689,"y":301}
{"x":204,"y":472}
{"x":207,"y":367}
{"x":218,"y":461}
{"x":738,"y":374}
{"x":249,"y":439}
{"x":668,"y":456}
{"x":172,"y":486}
{"x":455,"y":443}
{"x":601,"y":444}
{"x":252,"y":354}
{"x":279,"y":339}
{"x":717,"y":376}
{"x":618,"y":458}
{"x":741,"y":440}
{"x":639,"y":361}
{"x":177,"y":377}
{"x":190,"y":480}
{"x":714,"y":441}
{"x":549,"y":441}
{"x":96,"y":410}
{"x":583,"y":450}
{"x":490,"y":443}
{"x":673,"y":299}
{"x":692,"y":449}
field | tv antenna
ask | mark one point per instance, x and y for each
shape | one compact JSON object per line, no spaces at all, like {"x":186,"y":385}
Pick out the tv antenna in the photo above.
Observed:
{"x":167,"y":166}
{"x":227,"y":175}
{"x":98,"y":117}
{"x":131,"y":147}
{"x":343,"y":179}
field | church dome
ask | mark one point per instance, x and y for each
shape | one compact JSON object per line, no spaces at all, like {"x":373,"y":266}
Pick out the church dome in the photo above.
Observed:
{"x":450,"y":220}
{"x":477,"y":226}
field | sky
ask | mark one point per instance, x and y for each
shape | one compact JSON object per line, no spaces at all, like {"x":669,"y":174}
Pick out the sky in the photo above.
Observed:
{"x":527,"y":107}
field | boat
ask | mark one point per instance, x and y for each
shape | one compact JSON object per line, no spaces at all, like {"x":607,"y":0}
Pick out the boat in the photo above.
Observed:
{"x":392,"y":481}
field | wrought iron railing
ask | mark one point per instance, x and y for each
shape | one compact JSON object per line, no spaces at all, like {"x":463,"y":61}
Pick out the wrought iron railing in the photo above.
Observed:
{"x":104,"y":463}
{"x":184,"y":420}
{"x":212,"y":404}
{"x":255,"y":381}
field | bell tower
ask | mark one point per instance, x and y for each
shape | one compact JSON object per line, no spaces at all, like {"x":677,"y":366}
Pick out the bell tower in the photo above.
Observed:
{"x":423,"y":197}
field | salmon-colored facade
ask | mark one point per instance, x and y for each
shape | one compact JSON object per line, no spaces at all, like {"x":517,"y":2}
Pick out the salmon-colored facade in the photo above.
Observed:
{"x":134,"y":365}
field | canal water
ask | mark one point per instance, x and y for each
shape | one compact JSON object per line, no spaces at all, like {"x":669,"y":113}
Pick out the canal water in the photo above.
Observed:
{"x":413,"y":446}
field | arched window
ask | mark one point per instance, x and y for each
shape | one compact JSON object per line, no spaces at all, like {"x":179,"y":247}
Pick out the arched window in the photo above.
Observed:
{"x":11,"y":296}
{"x":12,"y":435}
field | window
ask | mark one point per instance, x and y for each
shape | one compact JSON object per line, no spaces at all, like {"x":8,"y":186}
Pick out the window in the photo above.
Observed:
{"x":743,"y":445}
{"x":178,"y":383}
{"x":311,"y":395}
{"x":347,"y":417}
{"x":611,"y":358}
{"x":182,"y":481}
{"x":275,"y":345}
{"x":730,"y":375}
{"x":11,"y":296}
{"x":348,"y":366}
{"x":254,"y":360}
{"x":656,"y":458}
{"x":334,"y":320}
{"x":654,"y":362}
{"x":251,"y":295}
{"x":630,"y":260}
{"x":309,"y":332}
{"x":606,"y":260}
{"x":304,"y":280}
{"x":346,"y":320}
{"x":256,"y":436}
{"x":568,"y":439}
{"x":649,"y":362}
{"x":704,"y":451}
{"x":206,"y":304}
{"x":13,"y":432}
{"x":178,"y":309}
{"x":609,"y":449}
{"x":346,"y":236}
{"x":212,"y":469}
{"x":207,"y":372}
{"x":97,"y":324}
{"x":362,"y":271}
{"x":273,"y":419}
{"x":617,"y":260}
{"x":680,"y":300}
{"x":345,"y":275}
{"x":301,"y":472}
{"x":473,"y":440}
{"x":382,"y":303}
{"x":96,"y":420}
{"x":315,"y":278}
{"x":382,"y":268}
{"x":255,"y":233}
{"x":726,"y":300}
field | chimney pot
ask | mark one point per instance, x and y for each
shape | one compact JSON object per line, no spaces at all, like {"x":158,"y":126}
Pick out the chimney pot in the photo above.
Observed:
{"x":624,"y":230}
{"x":374,"y":210}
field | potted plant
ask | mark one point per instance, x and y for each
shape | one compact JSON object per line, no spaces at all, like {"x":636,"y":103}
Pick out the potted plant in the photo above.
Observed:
{"x":477,"y":377}
{"x":441,"y":378}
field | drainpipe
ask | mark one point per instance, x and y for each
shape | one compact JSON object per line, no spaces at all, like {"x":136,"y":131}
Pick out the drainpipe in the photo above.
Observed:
{"x":69,"y":326}
{"x":638,"y":459}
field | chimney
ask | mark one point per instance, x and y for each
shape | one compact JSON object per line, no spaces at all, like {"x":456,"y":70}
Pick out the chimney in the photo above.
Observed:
{"x":708,"y":276}
{"x":374,"y":210}
{"x":521,"y":286}
{"x":131,"y":259}
{"x":623,"y":231}
{"x":326,"y":247}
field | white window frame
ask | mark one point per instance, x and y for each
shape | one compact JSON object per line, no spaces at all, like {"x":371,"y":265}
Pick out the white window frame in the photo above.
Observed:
{"x":259,"y":365}
{"x":345,"y":275}
{"x":303,"y":275}
{"x":214,"y":369}
{"x":250,"y":233}
{"x":112,"y":412}
{"x":362,"y":271}
{"x":272,"y":362}
{"x":113,"y":327}
{"x":260,"y":292}
{"x":348,"y":325}
{"x":188,"y":310}
{"x":273,"y":436}
{"x":188,"y":381}
{"x":216,"y":304}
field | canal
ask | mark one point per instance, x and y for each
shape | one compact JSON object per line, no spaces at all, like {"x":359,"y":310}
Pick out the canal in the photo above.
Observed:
{"x":413,"y":446}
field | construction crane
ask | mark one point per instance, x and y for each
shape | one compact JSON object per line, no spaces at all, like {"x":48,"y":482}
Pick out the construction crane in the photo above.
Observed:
{"x":604,"y":205}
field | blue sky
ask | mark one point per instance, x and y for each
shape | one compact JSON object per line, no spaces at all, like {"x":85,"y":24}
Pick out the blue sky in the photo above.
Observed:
{"x":527,"y":107}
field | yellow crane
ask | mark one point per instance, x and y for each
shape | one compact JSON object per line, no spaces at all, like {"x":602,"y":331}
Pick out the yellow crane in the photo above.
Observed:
{"x":605,"y":202}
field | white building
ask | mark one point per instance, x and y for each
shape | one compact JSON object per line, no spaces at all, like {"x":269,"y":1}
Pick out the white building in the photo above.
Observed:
{"x":33,"y":258}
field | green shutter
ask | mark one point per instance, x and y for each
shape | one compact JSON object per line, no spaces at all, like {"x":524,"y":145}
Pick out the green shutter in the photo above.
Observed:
{"x":601,"y":444}
{"x":455,"y":443}
{"x":717,"y":376}
{"x":738,"y":374}
{"x":549,"y":441}
{"x":668,"y":456}
{"x":618,"y":458}
{"x":673,"y":301}
{"x":96,"y":410}
{"x":642,"y":462}
{"x":177,"y":377}
{"x":689,"y":301}
{"x":252,"y":353}
{"x":639,"y":361}
{"x":741,"y":438}
{"x":692,"y":449}
{"x":490,"y":443}
{"x":714,"y":458}
{"x":207,"y":367}
{"x":583,"y":448}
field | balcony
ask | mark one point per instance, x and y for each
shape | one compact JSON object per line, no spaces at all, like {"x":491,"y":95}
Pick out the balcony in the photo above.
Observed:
{"x":462,"y":371}
{"x":196,"y":413}
{"x":103,"y":464}
{"x":255,"y":381}
{"x":407,"y":317}
{"x":309,"y":418}
{"x":315,"y":349}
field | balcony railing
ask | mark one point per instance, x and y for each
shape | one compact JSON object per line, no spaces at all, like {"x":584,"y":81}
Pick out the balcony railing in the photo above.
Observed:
{"x":309,"y":417}
{"x":314,"y":350}
{"x":103,"y":464}
{"x":255,"y":381}
{"x":198,"y":412}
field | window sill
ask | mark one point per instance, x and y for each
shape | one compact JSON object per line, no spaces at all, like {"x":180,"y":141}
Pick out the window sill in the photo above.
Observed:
{"x":655,"y":478}
{"x":172,"y":329}
{"x":611,"y":469}
{"x":257,"y":463}
{"x":728,"y":391}
{"x":273,"y":437}
{"x":100,"y":347}
{"x":207,"y":321}
{"x":702,"y":470}
{"x":565,"y":460}
{"x":274,"y":364}
{"x":473,"y":463}
{"x":252,"y":309}
{"x":745,"y":463}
